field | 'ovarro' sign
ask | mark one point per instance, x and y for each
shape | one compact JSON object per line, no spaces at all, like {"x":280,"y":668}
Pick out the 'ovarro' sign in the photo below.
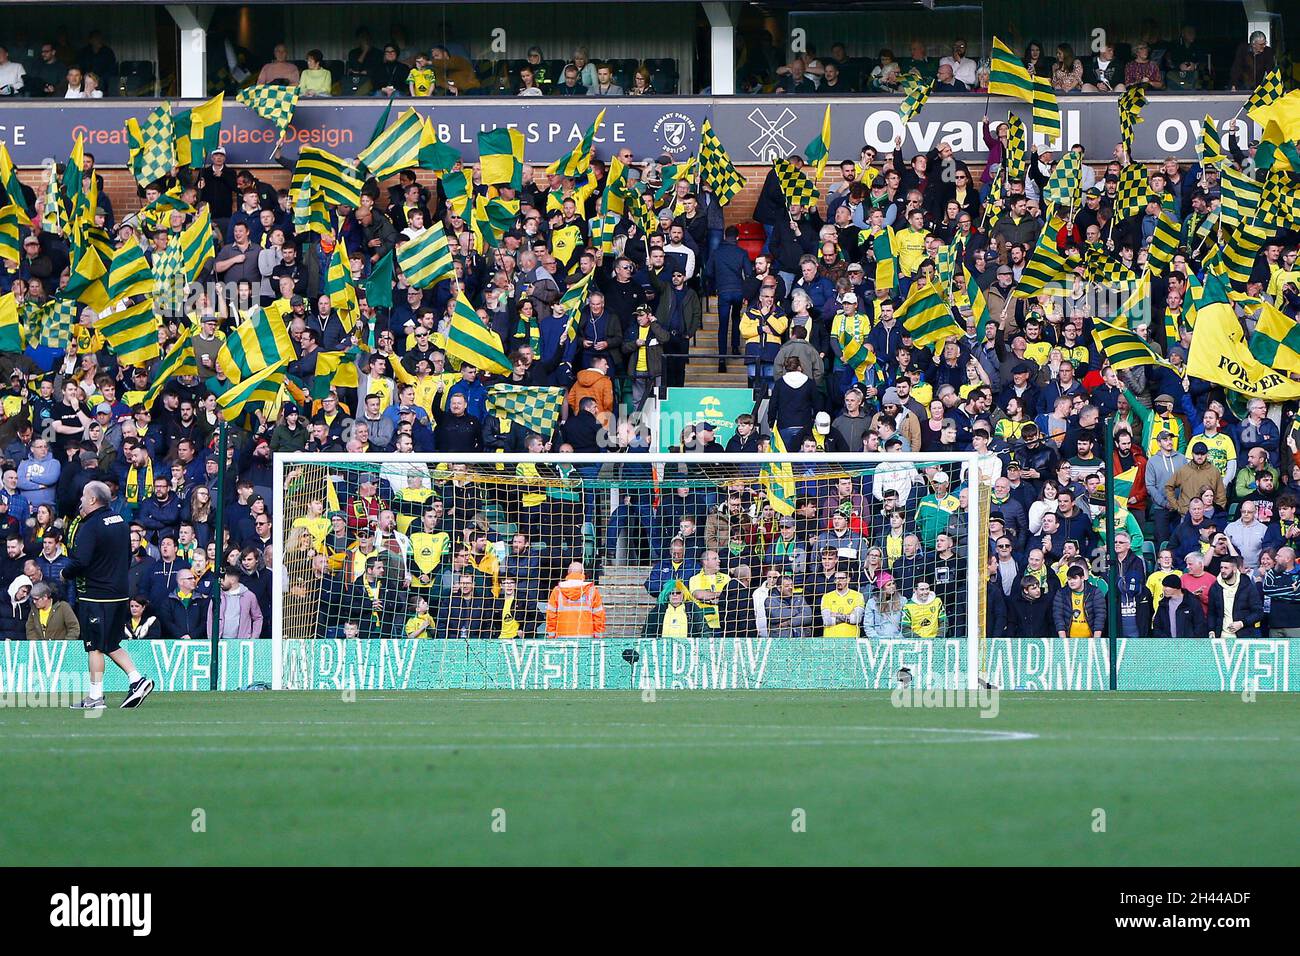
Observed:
{"x":753,"y":129}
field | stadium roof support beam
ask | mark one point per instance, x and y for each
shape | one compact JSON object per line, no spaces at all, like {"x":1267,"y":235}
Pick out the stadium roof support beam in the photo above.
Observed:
{"x":722,"y":46}
{"x":192,"y":19}
{"x":1259,"y":18}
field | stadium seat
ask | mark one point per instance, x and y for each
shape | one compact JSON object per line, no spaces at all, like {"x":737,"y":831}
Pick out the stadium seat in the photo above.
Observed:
{"x":751,"y":238}
{"x":136,"y":78}
{"x":336,"y":68}
{"x":356,"y":86}
{"x":664,"y":81}
{"x":300,"y":64}
{"x":656,"y":64}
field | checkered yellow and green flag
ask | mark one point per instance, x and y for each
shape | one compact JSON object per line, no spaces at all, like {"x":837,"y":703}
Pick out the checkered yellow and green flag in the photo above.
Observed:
{"x":169,"y":279}
{"x":1276,"y":341}
{"x":1103,"y":268}
{"x":273,"y":102}
{"x":1066,"y":182}
{"x":501,"y":157}
{"x":797,"y":188}
{"x":1015,"y":160}
{"x":1130,"y":113}
{"x":716,"y":167}
{"x":490,"y":219}
{"x":1132,"y":192}
{"x":1279,"y":204}
{"x":132,"y":333}
{"x":915,"y":99}
{"x":458,"y":188}
{"x":1269,"y":90}
{"x":536,"y":408}
{"x":1275,"y":151}
{"x":50,"y":325}
{"x":670,"y":174}
{"x":150,"y":145}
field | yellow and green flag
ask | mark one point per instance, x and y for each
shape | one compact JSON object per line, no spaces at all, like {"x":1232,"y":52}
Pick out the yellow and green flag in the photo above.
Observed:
{"x":1219,"y":352}
{"x":12,"y":187}
{"x":198,"y":132}
{"x":179,"y":361}
{"x":1007,"y":74}
{"x":501,"y":157}
{"x":577,"y":161}
{"x":426,"y":259}
{"x":132,"y":333}
{"x":471,"y":341}
{"x":926,"y":316}
{"x":332,"y":175}
{"x":12,"y":339}
{"x":1047,"y":114}
{"x":819,"y":150}
{"x":259,"y":342}
{"x":394,"y":149}
{"x":243,"y":398}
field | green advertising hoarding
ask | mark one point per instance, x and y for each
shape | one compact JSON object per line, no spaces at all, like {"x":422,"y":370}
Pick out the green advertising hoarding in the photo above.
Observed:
{"x":698,"y":664}
{"x":685,"y":406}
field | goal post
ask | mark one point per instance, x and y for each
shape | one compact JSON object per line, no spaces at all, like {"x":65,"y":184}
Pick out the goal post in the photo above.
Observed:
{"x":436,"y":555}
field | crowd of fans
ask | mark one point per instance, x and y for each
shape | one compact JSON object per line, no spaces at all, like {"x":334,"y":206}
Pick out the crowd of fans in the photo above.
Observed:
{"x":1184,"y":63}
{"x":56,"y":68}
{"x":1205,"y":546}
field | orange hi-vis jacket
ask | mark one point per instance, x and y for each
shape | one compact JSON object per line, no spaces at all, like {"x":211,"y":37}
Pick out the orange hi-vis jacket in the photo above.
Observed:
{"x":575,"y":609}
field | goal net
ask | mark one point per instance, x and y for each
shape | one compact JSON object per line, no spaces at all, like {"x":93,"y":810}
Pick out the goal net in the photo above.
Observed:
{"x":796,"y":570}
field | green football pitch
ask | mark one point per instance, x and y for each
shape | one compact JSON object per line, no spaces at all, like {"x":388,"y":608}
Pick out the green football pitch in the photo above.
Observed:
{"x":689,"y":778}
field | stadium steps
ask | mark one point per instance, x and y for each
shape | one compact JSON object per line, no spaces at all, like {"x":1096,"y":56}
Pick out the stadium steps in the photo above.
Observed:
{"x":703,"y":372}
{"x":627,"y":603}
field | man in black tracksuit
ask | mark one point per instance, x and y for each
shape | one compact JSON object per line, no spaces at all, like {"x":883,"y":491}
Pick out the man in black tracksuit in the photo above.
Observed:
{"x":98,"y":560}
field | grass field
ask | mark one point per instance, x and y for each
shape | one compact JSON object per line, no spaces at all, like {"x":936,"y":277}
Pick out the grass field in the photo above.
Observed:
{"x":692,"y":778}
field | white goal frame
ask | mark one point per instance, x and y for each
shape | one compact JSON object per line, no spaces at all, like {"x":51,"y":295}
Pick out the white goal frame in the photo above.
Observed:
{"x":963,"y":461}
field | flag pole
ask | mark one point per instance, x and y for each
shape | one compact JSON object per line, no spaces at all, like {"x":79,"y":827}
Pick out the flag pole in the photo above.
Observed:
{"x":217,"y":566}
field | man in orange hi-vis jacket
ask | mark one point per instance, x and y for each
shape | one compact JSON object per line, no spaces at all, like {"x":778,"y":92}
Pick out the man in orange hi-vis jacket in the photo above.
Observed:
{"x":575,"y":608}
